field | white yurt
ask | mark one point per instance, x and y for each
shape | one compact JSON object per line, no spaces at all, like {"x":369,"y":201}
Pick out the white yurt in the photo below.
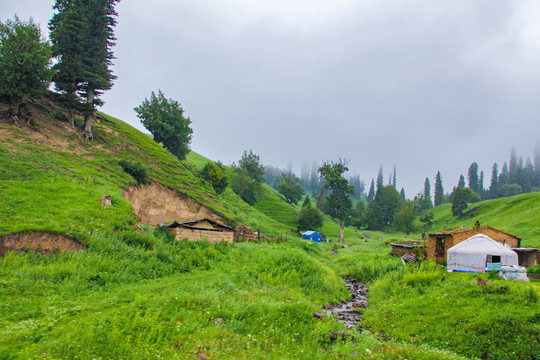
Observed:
{"x":473,"y":254}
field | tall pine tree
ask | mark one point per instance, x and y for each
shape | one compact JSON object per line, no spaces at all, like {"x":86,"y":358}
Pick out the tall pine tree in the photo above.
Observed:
{"x":472,"y":176}
{"x":371,"y":193}
{"x":83,"y":35}
{"x":493,"y":191}
{"x":67,"y":45}
{"x":380,"y":178}
{"x":439,"y":190}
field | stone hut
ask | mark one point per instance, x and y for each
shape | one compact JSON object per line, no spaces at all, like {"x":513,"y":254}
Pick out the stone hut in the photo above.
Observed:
{"x":201,"y":229}
{"x":439,"y":243}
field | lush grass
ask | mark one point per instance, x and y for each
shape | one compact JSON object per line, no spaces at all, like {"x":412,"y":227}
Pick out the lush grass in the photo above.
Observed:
{"x":143,"y":295}
{"x":424,"y":304}
{"x":517,"y":215}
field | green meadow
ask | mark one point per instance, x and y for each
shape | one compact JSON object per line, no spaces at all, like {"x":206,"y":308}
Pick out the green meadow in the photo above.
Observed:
{"x":143,"y":295}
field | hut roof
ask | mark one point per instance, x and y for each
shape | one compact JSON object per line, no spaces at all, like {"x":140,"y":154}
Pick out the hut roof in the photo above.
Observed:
{"x":200,"y":224}
{"x":479,"y":229}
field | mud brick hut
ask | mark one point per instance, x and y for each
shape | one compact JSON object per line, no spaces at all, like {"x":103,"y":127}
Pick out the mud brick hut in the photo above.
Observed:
{"x":439,"y":243}
{"x":201,"y":229}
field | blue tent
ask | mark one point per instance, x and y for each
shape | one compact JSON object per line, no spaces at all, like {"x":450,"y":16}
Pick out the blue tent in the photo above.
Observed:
{"x":311,"y":235}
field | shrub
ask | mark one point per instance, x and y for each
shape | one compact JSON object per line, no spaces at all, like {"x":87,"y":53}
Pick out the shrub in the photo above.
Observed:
{"x":136,"y":170}
{"x":214,"y":174}
{"x":309,"y":217}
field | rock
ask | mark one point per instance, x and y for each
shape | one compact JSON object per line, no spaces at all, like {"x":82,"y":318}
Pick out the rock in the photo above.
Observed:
{"x":218,"y":321}
{"x":202,"y":356}
{"x":317,"y":315}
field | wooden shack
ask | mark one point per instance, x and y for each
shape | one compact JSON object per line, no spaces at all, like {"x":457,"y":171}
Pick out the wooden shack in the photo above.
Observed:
{"x":528,"y":257}
{"x":439,"y":243}
{"x":201,"y":229}
{"x":408,"y":247}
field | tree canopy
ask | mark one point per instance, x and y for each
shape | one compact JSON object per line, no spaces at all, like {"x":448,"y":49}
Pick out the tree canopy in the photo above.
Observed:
{"x":249,"y":175}
{"x":82,"y":32}
{"x":290,"y":187}
{"x":382,"y":210}
{"x":338,"y":202}
{"x":24,"y":63}
{"x":165,"y":120}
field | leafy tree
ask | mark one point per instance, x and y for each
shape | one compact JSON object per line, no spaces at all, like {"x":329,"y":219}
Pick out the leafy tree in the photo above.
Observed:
{"x":248,"y":178}
{"x":67,"y":45}
{"x":215,"y":175}
{"x":358,"y":214}
{"x":371,"y":193}
{"x":472,"y":176}
{"x":439,"y":190}
{"x":290,"y":187}
{"x":164,"y":118}
{"x":252,"y":164}
{"x":309,"y":217}
{"x":404,"y":218}
{"x":382,"y":210}
{"x":459,"y":200}
{"x":338,"y":202}
{"x":24,"y":63}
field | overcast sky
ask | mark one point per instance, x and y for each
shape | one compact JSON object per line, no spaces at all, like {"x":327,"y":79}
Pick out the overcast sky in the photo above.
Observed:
{"x":422,"y":85}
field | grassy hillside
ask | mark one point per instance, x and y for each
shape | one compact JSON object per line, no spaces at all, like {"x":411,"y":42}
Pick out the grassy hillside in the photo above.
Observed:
{"x":518,"y":215}
{"x":54,"y":179}
{"x":137,"y":294}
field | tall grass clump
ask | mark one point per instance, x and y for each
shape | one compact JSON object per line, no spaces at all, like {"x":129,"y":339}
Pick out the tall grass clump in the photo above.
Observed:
{"x":425,"y":304}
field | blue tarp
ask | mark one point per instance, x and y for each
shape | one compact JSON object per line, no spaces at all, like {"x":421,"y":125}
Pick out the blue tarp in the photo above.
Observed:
{"x":311,"y":235}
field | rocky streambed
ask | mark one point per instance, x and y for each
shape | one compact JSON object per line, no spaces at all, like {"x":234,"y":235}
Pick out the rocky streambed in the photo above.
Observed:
{"x":349,"y":312}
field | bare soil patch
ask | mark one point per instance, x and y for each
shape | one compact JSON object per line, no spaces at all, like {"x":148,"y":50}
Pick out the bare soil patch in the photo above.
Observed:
{"x":40,"y":242}
{"x":157,"y":204}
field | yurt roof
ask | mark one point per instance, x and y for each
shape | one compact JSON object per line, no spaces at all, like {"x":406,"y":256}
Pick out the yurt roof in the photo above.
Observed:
{"x":480,"y":244}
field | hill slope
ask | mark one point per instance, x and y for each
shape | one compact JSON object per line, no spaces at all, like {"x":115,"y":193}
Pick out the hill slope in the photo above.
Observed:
{"x":52,"y":179}
{"x":518,"y":215}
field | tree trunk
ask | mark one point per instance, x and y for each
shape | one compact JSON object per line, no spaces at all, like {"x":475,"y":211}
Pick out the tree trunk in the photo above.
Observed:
{"x":14,"y":111}
{"x":89,"y":114}
{"x":70,"y":114}
{"x":341,"y":230}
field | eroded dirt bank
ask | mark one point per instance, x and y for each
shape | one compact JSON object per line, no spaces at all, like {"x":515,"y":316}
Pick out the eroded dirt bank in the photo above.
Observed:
{"x":156,"y":204}
{"x":41,"y":242}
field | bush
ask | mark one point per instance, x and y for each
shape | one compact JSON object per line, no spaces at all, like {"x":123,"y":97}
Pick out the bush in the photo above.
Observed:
{"x":136,"y":170}
{"x":214,"y":174}
{"x":309,"y":217}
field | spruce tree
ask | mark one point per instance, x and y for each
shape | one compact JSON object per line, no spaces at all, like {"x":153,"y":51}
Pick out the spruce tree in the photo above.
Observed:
{"x":380,"y":177}
{"x":67,"y":45}
{"x":503,"y":178}
{"x":472,"y":176}
{"x":537,"y":165}
{"x":402,"y":194}
{"x":394,"y":178}
{"x":371,"y":193}
{"x":461,"y":182}
{"x":493,"y":191}
{"x":513,"y":165}
{"x":439,"y":190}
{"x":427,"y":189}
